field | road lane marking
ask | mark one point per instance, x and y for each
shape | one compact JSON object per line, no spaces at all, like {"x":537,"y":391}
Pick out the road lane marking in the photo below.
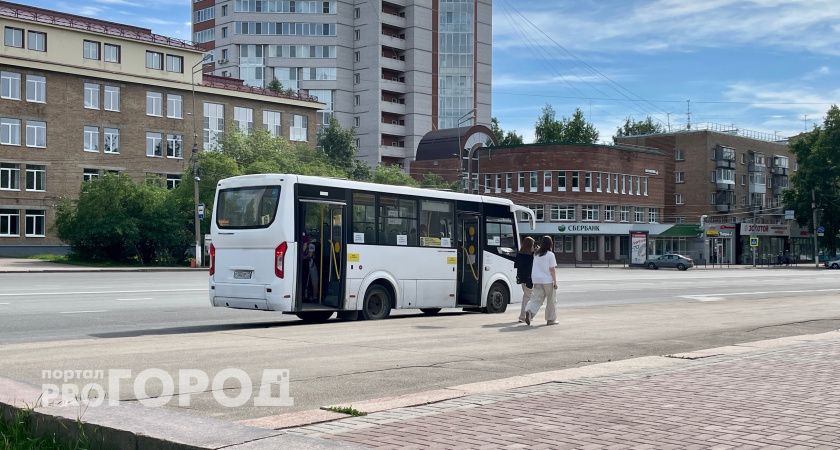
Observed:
{"x":3,"y":303}
{"x":703,"y":298}
{"x":719,"y":297}
{"x":85,"y":312}
{"x":102,"y":292}
{"x":133,"y":299}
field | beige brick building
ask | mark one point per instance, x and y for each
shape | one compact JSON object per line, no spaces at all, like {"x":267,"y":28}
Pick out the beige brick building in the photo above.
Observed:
{"x":80,"y":96}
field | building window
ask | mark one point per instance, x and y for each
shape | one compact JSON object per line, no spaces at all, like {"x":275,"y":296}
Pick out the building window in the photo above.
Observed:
{"x":224,"y":10}
{"x":653,"y":215}
{"x":609,"y":213}
{"x":521,"y":186}
{"x":90,"y":50}
{"x":533,"y":179}
{"x":243,"y":118}
{"x":200,"y":37}
{"x":112,"y":140}
{"x":357,"y":100}
{"x":645,"y":186}
{"x":91,"y":96}
{"x":615,"y":183}
{"x":587,"y":182}
{"x":35,"y":222}
{"x":679,"y":154}
{"x":623,"y":184}
{"x":36,"y":41}
{"x":598,"y":181}
{"x":639,"y":214}
{"x":679,"y":177}
{"x":9,"y":177}
{"x":497,"y":188}
{"x":590,"y":213}
{"x":112,"y":98}
{"x":172,"y":181}
{"x":9,"y":131}
{"x":575,"y":181}
{"x":357,"y":56}
{"x":10,"y":85}
{"x":508,"y":182}
{"x":638,"y":185}
{"x":174,"y":146}
{"x":36,"y":89}
{"x":9,"y":220}
{"x":547,"y":176}
{"x":14,"y":37}
{"x":36,"y":134}
{"x":224,"y":32}
{"x":174,"y":106}
{"x":486,"y":183}
{"x":154,"y":104}
{"x":203,"y":15}
{"x":175,"y":63}
{"x":562,"y":212}
{"x":271,"y":121}
{"x":357,"y":35}
{"x":91,"y":143}
{"x":154,"y":145}
{"x":624,"y":214}
{"x":113,"y":53}
{"x":298,"y":128}
{"x":539,"y":212}
{"x":36,"y":178}
{"x":357,"y":79}
{"x":90,"y":174}
{"x":154,"y":60}
{"x":214,"y":125}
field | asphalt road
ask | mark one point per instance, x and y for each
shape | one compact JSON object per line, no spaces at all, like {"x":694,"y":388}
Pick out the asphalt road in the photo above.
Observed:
{"x":163,"y":320}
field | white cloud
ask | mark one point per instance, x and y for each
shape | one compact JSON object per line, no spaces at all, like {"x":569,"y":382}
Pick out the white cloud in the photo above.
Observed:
{"x":512,"y":80}
{"x":118,"y":2}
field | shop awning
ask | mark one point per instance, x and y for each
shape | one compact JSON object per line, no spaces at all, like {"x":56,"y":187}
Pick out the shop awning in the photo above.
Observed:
{"x":682,"y":230}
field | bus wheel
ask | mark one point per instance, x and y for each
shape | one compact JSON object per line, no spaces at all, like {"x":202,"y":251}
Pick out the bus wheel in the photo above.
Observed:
{"x":497,"y":299}
{"x":377,"y":303}
{"x":314,"y":316}
{"x":430,"y":311}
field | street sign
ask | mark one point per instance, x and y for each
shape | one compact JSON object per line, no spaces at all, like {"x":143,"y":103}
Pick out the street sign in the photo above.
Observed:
{"x":201,"y":211}
{"x":789,"y":214}
{"x":820,"y":231}
{"x":753,"y":242}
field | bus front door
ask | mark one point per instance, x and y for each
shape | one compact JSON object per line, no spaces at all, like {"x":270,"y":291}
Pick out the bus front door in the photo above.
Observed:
{"x":322,"y":253}
{"x":469,"y":260}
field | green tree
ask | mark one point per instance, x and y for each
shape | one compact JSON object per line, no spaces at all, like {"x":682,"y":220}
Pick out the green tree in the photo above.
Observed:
{"x":339,"y":144}
{"x":818,"y":154}
{"x":435,"y":181}
{"x":275,"y":86}
{"x":384,"y":174}
{"x":638,"y":127}
{"x":504,"y":138}
{"x":574,"y":130}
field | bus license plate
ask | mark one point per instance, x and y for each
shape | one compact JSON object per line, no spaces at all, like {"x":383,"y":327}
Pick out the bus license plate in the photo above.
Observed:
{"x":242,"y":274}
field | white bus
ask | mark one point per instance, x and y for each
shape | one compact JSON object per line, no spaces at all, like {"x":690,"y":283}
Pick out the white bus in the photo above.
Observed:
{"x":316,"y":246}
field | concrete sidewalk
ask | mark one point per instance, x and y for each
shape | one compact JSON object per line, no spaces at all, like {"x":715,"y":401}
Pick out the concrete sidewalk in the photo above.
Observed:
{"x":24,"y":265}
{"x":781,"y":393}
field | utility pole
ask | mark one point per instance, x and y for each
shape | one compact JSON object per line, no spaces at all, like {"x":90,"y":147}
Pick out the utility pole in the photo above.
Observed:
{"x":814,"y":212}
{"x":688,"y":103}
{"x":669,"y":122}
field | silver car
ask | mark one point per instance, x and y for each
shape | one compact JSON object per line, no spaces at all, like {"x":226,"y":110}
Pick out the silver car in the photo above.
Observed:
{"x":672,"y":260}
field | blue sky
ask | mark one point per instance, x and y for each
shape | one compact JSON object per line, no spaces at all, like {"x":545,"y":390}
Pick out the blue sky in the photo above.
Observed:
{"x":762,"y":65}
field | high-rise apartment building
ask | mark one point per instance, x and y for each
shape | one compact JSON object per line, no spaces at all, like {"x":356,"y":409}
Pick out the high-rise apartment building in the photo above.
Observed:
{"x":80,"y":97}
{"x":392,"y":69}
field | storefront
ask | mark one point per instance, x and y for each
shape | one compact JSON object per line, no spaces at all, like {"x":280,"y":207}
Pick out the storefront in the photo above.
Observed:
{"x":772,"y":246}
{"x":719,"y":243}
{"x":595,"y":242}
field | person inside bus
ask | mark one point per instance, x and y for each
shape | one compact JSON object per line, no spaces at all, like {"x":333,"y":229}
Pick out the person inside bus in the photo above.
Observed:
{"x":310,"y":274}
{"x":544,"y":277}
{"x":523,"y":263}
{"x":424,"y":230}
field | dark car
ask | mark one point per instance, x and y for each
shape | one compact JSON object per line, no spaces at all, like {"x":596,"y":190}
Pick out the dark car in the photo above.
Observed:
{"x":671,"y":261}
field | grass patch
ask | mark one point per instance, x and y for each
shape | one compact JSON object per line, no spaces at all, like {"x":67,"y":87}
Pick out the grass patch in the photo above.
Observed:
{"x":15,"y":435}
{"x":349,"y":410}
{"x":73,"y":261}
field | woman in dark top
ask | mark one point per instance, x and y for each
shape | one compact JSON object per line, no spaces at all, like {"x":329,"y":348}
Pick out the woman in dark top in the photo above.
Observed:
{"x":523,"y":263}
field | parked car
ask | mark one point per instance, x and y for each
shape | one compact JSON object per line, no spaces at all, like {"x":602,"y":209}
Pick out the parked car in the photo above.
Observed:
{"x":833,"y":264}
{"x":671,"y":260}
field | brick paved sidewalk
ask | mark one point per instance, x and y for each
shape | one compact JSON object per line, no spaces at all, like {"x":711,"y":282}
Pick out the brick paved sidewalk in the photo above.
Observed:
{"x":787,"y":397}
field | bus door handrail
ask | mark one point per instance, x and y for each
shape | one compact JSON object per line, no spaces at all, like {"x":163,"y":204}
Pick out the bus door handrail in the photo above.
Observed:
{"x":532,"y":218}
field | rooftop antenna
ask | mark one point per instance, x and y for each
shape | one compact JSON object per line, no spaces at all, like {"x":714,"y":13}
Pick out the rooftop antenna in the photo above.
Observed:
{"x":688,"y":103}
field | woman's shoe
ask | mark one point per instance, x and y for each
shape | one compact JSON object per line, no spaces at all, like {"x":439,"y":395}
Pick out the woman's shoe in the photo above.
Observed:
{"x":528,"y":318}
{"x":551,"y":322}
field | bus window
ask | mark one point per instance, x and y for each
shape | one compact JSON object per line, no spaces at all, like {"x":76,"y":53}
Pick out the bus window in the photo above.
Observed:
{"x":397,"y":221}
{"x":436,"y":224}
{"x":251,"y":207}
{"x":500,"y":236}
{"x":364,"y":219}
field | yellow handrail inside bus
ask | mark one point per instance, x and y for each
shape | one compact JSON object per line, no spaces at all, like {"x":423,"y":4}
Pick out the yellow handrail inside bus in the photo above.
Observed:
{"x":472,"y":268}
{"x":335,"y":262}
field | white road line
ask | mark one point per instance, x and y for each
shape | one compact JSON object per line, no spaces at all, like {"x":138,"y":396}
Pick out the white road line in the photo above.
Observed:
{"x":102,"y":292}
{"x":84,"y":312}
{"x":702,"y":298}
{"x":720,"y":296}
{"x":3,"y":303}
{"x":133,"y":299}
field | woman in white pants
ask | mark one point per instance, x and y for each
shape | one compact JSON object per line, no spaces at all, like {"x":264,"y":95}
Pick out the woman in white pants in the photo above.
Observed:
{"x":522,"y":264}
{"x":544,"y":277}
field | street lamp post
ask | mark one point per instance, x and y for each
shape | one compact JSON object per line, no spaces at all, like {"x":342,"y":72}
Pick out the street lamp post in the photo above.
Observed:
{"x":194,"y":162}
{"x":466,"y":118}
{"x":705,"y":238}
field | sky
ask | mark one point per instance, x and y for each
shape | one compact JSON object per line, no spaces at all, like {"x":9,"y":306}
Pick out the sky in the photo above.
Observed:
{"x":771,"y":66}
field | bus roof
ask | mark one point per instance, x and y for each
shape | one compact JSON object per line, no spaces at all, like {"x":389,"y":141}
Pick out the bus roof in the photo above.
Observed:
{"x":275,"y":178}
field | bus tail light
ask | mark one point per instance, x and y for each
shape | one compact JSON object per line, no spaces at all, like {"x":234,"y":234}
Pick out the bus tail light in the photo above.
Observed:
{"x":279,"y":259}
{"x":212,"y":260}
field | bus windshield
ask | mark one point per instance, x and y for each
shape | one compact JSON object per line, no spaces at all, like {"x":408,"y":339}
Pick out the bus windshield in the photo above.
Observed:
{"x":247,"y":207}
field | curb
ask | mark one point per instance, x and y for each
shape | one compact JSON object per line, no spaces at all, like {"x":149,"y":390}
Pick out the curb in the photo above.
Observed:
{"x":88,"y":270}
{"x":613,"y":368}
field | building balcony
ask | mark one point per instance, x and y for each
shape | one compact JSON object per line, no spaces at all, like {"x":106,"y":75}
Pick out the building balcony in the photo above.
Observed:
{"x":724,"y":164}
{"x":725,"y":186}
{"x":756,"y":188}
{"x":392,"y":63}
{"x":392,"y":129}
{"x":753,"y":167}
{"x":396,"y":3}
{"x":392,"y":41}
{"x":392,"y":107}
{"x":388,"y":84}
{"x":778,"y":189}
{"x":395,"y":151}
{"x":393,"y":20}
{"x":780,"y":171}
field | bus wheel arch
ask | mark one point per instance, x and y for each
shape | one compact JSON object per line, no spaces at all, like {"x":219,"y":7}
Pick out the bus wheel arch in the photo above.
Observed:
{"x":378,"y":300}
{"x":498,"y":297}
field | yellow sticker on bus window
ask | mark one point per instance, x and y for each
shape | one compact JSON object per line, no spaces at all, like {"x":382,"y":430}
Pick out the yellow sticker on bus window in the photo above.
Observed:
{"x":352,"y":257}
{"x":451,"y":260}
